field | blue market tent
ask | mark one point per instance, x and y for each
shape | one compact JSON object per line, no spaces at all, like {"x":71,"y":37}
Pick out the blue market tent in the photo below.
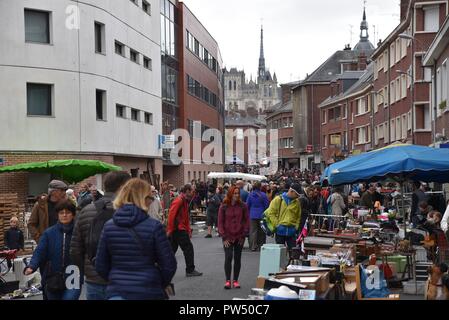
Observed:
{"x":401,"y":162}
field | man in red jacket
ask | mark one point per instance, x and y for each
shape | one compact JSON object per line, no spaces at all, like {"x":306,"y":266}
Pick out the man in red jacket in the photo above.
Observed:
{"x":179,"y":231}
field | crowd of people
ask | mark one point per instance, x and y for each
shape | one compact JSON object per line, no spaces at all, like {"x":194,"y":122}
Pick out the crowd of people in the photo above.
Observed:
{"x":124,"y":240}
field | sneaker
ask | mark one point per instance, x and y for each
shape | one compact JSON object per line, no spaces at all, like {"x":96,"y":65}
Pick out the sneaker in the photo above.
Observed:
{"x":227,"y":285}
{"x":236,"y":285}
{"x":194,"y":273}
{"x":208,"y":236}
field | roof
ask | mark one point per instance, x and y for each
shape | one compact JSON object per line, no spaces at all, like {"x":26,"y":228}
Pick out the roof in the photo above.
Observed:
{"x":365,"y":80}
{"x":281,"y":108}
{"x":331,"y":67}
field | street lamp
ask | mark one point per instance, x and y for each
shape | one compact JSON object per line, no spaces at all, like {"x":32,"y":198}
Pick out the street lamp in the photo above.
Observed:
{"x":384,"y":105}
{"x":412,"y":92}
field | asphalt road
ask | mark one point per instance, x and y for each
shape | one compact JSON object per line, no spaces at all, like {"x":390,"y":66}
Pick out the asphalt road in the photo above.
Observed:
{"x":209,"y":259}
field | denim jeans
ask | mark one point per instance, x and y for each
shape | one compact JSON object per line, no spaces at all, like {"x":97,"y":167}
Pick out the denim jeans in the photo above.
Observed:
{"x":68,"y":294}
{"x":95,"y":291}
{"x":289,"y":241}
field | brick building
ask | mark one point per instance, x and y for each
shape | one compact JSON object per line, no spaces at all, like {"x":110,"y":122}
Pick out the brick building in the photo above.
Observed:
{"x":346,"y":116}
{"x":437,"y":59}
{"x":316,"y":88}
{"x":402,"y":99}
{"x":241,"y":129}
{"x":281,"y":118}
{"x":199,"y":101}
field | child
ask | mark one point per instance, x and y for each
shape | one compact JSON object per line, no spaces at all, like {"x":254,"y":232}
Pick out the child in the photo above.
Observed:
{"x":14,"y":239}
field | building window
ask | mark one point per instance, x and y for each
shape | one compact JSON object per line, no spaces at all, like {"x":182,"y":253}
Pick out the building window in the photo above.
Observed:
{"x":120,"y":111}
{"x":99,"y":38}
{"x":431,"y":18}
{"x":119,"y":48}
{"x":37,"y":26}
{"x":404,"y":126}
{"x":146,"y":6}
{"x":39,"y":99}
{"x":147,"y":63}
{"x":403,"y":86}
{"x":230,"y":85}
{"x":148,"y":118}
{"x":392,"y":131}
{"x":135,"y":115}
{"x":134,"y":56}
{"x":100,"y":104}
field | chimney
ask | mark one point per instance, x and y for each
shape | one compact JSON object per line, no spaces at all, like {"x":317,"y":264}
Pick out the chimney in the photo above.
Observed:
{"x":362,"y":62}
{"x":404,"y":8}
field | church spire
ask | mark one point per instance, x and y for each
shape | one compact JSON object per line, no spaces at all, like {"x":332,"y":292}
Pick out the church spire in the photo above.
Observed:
{"x":261,"y":73}
{"x":364,"y":27}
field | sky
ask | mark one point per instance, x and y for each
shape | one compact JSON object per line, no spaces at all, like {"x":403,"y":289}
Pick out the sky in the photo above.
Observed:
{"x":299,"y":35}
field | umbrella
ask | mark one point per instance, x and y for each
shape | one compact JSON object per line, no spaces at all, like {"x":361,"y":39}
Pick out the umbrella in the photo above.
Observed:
{"x":72,"y":171}
{"x":402,"y":162}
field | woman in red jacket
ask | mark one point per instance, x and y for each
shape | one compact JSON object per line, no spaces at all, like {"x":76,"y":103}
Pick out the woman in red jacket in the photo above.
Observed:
{"x":233,"y":226}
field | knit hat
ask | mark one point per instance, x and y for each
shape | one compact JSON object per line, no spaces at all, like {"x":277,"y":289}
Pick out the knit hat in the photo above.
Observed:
{"x":297,"y":188}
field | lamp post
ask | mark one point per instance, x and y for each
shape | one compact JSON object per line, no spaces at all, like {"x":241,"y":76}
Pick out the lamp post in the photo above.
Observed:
{"x":412,"y":89}
{"x":384,"y":104}
{"x":412,"y":92}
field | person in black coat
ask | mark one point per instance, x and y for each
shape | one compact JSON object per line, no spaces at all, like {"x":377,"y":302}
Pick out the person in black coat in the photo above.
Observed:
{"x":14,"y":239}
{"x":134,"y":254}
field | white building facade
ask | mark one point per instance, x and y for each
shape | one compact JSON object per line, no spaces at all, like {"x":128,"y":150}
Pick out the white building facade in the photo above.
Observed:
{"x":81,"y":80}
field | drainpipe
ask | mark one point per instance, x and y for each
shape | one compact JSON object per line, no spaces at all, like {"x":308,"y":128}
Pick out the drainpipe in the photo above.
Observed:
{"x":434,"y":87}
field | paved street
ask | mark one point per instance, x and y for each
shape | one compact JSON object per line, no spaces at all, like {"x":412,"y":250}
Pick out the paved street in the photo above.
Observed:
{"x":209,"y":259}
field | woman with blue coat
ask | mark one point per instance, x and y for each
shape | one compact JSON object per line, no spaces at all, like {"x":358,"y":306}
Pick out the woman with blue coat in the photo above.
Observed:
{"x":52,"y":257}
{"x":134,"y":254}
{"x":257,"y":204}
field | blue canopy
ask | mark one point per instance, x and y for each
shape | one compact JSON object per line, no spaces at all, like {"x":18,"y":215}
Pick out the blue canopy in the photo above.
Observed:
{"x":403,"y":162}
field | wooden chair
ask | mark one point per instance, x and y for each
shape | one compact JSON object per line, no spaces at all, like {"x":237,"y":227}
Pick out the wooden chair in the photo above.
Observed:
{"x":359,"y":288}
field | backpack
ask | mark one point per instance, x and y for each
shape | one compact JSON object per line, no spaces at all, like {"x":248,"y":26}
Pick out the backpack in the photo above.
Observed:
{"x":103,"y":215}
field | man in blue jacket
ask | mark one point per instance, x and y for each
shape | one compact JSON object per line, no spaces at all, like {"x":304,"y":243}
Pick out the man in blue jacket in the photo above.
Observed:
{"x":257,"y":204}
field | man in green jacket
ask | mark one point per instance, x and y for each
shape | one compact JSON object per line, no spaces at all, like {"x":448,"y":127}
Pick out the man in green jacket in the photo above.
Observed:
{"x":284,"y":216}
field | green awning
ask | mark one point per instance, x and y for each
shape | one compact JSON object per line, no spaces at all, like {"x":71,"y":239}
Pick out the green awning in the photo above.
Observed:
{"x":71,"y":171}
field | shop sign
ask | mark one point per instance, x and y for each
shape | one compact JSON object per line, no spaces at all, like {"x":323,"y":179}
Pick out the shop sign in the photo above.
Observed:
{"x":166,"y":141}
{"x":309,"y":149}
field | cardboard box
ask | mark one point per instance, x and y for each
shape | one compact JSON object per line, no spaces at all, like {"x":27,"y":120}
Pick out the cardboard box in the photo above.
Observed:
{"x":318,"y":281}
{"x":260,"y":282}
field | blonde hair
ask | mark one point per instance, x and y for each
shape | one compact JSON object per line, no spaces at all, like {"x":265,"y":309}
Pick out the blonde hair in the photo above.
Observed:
{"x":133,"y":192}
{"x":14,"y":218}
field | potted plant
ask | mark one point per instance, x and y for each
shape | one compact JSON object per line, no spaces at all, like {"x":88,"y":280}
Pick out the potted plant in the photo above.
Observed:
{"x":443,"y":105}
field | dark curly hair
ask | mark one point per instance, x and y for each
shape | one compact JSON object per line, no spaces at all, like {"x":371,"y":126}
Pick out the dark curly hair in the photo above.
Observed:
{"x":66,"y":205}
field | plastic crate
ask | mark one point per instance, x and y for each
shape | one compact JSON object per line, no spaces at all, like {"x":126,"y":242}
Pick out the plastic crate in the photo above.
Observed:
{"x":412,"y":288}
{"x":421,"y":254}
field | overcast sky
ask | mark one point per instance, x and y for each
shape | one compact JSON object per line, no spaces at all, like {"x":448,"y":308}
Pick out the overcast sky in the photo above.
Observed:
{"x":299,"y":35}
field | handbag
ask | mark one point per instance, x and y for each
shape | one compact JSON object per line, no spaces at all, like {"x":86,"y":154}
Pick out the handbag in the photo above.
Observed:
{"x":55,"y":282}
{"x":170,"y":289}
